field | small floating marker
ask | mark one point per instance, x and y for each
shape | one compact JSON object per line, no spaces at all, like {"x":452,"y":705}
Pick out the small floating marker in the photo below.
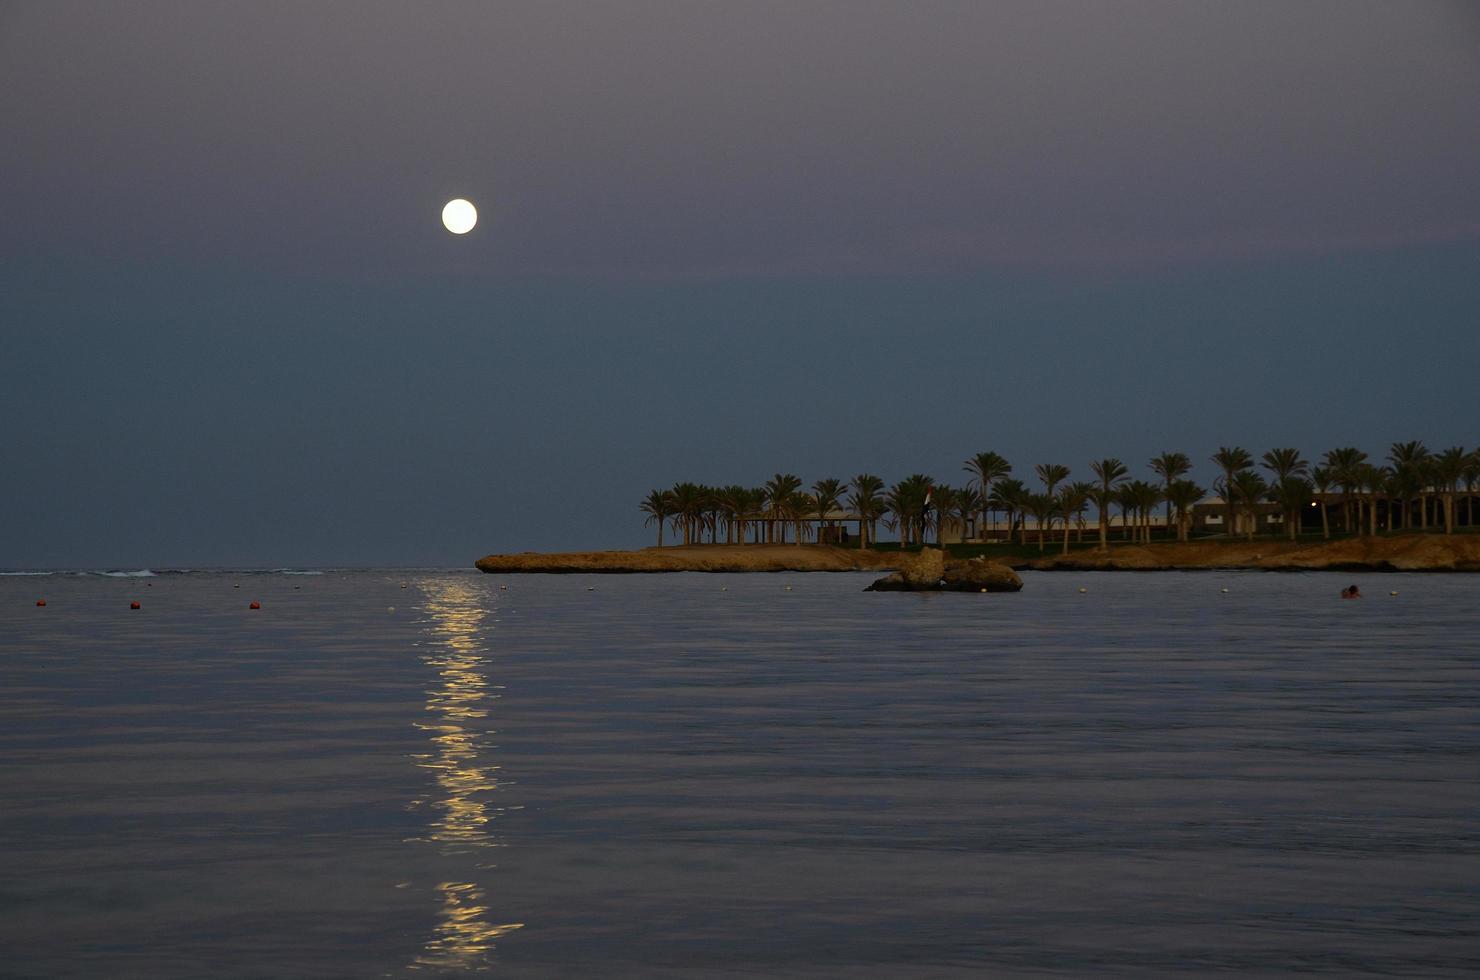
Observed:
{"x":724,"y":588}
{"x":1390,"y":593}
{"x":254,"y":605}
{"x":590,"y":588}
{"x":788,"y":588}
{"x":236,"y":586}
{"x":403,"y":585}
{"x":1082,"y":590}
{"x":503,"y":588}
{"x":297,"y":587}
{"x":1222,"y":590}
{"x":390,"y":608}
{"x":40,"y":602}
{"x":134,"y":605}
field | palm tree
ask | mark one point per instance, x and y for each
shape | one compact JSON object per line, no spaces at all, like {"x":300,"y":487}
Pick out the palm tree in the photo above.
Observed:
{"x":942,"y":498}
{"x":658,"y":505}
{"x":688,"y":506}
{"x":1472,"y":477}
{"x":1009,"y":496}
{"x":1109,"y":472}
{"x":799,"y":508}
{"x":1170,"y":466}
{"x":1409,"y":461}
{"x":1042,"y":506}
{"x":1321,"y":479}
{"x":756,"y":499}
{"x":1232,"y":461}
{"x":826,"y":495}
{"x":1293,"y":495}
{"x":987,"y":467}
{"x":922,"y":492}
{"x":1143,"y":498}
{"x":1128,"y":496}
{"x":1380,"y":482}
{"x":906,"y":501}
{"x":1448,"y":470}
{"x":960,"y":506}
{"x":866,"y":504}
{"x":1248,"y":487}
{"x":731,"y":503}
{"x":1345,"y":466}
{"x":1183,"y":495}
{"x":1284,"y":463}
{"x":1052,"y":474}
{"x":1072,"y":499}
{"x":779,"y":492}
{"x":709,"y":511}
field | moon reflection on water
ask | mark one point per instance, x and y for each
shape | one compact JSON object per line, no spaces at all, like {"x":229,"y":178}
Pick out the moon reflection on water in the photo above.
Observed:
{"x":459,"y":705}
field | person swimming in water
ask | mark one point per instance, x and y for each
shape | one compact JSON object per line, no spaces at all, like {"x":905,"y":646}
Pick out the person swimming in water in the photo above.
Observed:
{"x":1351,"y":592}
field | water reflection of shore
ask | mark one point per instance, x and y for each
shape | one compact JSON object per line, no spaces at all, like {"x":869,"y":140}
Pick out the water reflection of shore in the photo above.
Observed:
{"x":458,"y":706}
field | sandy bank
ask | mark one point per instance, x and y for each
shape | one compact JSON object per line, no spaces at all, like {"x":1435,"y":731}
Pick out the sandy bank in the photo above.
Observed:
{"x":697,"y":558}
{"x":1398,"y":553}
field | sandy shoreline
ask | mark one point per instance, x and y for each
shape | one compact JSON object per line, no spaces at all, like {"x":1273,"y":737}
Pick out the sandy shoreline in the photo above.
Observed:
{"x":697,"y":558}
{"x":1397,"y":553}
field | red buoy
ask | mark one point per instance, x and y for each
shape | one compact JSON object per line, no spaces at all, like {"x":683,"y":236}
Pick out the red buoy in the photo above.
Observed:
{"x":40,"y":602}
{"x":255,"y":605}
{"x":133,"y":605}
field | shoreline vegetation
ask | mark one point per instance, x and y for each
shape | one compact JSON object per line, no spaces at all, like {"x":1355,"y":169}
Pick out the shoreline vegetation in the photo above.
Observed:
{"x":1416,"y":511}
{"x":1394,"y":553}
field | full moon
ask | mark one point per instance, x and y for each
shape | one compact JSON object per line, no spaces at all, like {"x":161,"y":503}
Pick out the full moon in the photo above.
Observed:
{"x":459,"y":216}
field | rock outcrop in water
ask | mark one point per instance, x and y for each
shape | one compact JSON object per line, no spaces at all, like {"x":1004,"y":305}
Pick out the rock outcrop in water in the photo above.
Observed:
{"x":929,"y":571}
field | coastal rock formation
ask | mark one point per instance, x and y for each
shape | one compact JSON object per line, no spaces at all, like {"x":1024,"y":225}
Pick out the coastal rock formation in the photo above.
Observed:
{"x":979,"y":575}
{"x":930,"y":572}
{"x":924,"y":570}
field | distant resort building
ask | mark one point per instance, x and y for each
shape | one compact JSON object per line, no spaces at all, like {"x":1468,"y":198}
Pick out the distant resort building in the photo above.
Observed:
{"x":1207,"y":518}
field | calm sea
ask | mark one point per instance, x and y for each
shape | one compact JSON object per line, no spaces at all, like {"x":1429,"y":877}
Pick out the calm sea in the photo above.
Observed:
{"x":412,"y":773}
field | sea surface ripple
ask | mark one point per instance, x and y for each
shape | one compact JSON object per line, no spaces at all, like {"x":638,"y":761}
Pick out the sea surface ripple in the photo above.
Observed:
{"x":394,"y":773}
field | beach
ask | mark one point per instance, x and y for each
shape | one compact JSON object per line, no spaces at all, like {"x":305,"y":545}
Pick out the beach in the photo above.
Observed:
{"x":1394,"y":553}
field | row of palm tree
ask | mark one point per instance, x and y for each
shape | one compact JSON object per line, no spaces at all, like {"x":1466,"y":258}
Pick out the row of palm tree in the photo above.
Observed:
{"x":1404,"y":488}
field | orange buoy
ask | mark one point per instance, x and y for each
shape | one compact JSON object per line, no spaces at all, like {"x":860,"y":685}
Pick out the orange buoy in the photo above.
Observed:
{"x":40,"y":602}
{"x":133,"y":605}
{"x":255,"y":605}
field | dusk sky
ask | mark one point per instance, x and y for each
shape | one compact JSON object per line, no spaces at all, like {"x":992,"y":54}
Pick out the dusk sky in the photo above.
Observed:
{"x":717,"y":241}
